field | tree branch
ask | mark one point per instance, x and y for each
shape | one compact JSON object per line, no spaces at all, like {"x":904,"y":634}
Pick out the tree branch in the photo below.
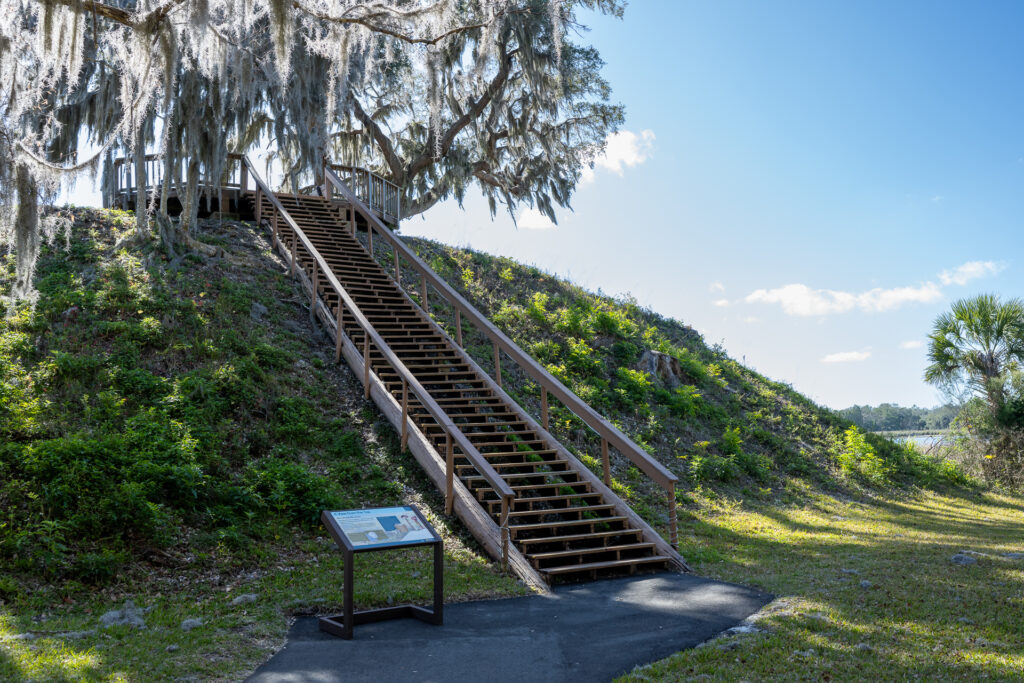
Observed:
{"x":383,"y":141}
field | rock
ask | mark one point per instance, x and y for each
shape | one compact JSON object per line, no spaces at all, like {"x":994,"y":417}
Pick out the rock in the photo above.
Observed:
{"x":730,"y":645}
{"x":661,"y":365}
{"x":805,"y":653}
{"x":130,"y":615}
{"x":302,"y":364}
{"x":73,"y":635}
{"x":244,"y":599}
{"x":965,"y":620}
{"x":173,"y":648}
{"x":744,"y":628}
{"x":1014,"y":556}
{"x":963,"y":560}
{"x":864,"y":647}
{"x":190,"y":624}
{"x":19,"y":636}
{"x":257,"y":311}
{"x":849,"y":571}
{"x":294,"y":327}
{"x":866,"y":584}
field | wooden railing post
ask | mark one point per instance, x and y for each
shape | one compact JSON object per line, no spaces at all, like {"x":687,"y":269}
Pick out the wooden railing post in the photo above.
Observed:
{"x":606,"y":463}
{"x":504,"y":533}
{"x":449,"y":475}
{"x":544,"y":407}
{"x":366,"y":362}
{"x":398,"y":266}
{"x":259,"y":205}
{"x":405,"y":414}
{"x":275,"y":235}
{"x":295,"y":245}
{"x":426,"y":302}
{"x":340,"y":335}
{"x":458,"y":326}
{"x":497,"y":363}
{"x":673,"y":532}
{"x":312,"y":297}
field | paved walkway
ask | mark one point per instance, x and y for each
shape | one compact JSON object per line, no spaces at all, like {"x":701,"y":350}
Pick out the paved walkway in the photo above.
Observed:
{"x":586,"y":632}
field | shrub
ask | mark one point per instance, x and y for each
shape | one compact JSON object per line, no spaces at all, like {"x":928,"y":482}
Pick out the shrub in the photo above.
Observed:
{"x":631,"y":387}
{"x":290,"y":489}
{"x":857,"y":457}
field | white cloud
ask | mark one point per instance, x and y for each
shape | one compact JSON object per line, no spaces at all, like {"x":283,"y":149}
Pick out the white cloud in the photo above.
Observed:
{"x":798,"y":299}
{"x":716,"y":286}
{"x":912,"y":344}
{"x":623,"y":149}
{"x":721,"y":303}
{"x":846,"y":357}
{"x":532,"y":219}
{"x":972,"y":270}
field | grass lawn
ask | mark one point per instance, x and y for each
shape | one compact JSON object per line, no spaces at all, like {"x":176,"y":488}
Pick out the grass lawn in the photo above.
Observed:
{"x":67,"y":643}
{"x":918,"y":617}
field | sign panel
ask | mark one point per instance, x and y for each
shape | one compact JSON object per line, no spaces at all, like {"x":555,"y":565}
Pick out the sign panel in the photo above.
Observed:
{"x":382,"y":527}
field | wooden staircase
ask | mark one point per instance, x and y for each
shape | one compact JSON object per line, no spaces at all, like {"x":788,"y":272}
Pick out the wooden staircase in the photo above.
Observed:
{"x":557,"y":515}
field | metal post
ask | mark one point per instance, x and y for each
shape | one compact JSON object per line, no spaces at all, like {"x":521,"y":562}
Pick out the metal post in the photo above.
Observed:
{"x":439,"y":583}
{"x":449,"y":476}
{"x":349,"y":617}
{"x":605,"y":462}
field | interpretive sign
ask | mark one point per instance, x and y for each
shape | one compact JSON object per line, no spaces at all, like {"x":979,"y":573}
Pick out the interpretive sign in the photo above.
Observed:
{"x":357,"y":531}
{"x":383,"y":527}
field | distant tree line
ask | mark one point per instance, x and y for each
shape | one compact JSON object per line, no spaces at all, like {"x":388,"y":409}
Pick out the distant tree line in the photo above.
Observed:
{"x":889,"y":417}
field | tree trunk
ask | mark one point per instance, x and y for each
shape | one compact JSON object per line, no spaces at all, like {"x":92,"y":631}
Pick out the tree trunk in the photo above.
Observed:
{"x":26,"y":232}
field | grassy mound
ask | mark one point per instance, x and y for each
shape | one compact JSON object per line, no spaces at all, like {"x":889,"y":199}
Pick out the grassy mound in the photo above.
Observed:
{"x":169,"y":434}
{"x":708,"y":418}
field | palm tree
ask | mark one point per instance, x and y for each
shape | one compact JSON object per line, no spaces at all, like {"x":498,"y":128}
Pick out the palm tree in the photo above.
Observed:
{"x":976,"y":344}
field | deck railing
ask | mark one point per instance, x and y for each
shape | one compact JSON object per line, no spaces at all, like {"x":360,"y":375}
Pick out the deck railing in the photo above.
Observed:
{"x":125,"y":182}
{"x":611,"y":436}
{"x":377,"y":193}
{"x":322,"y":276}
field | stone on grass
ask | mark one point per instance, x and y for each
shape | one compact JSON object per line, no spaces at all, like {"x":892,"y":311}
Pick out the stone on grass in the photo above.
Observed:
{"x":963,"y":560}
{"x":257,"y":311}
{"x":864,"y":647}
{"x":849,"y":571}
{"x":1014,"y":556}
{"x":866,"y":584}
{"x":173,"y":648}
{"x":244,"y":599}
{"x":129,"y":615}
{"x":190,"y":624}
{"x":965,"y":620}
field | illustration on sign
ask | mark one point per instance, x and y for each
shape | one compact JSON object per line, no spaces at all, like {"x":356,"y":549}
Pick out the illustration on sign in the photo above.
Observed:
{"x":382,"y":526}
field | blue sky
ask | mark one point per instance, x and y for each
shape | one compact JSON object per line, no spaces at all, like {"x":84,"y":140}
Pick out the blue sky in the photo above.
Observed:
{"x":809,"y":184}
{"x":818,"y":182}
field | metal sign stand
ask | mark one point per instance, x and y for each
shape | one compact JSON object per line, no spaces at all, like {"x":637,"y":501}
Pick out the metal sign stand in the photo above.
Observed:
{"x":342,"y":625}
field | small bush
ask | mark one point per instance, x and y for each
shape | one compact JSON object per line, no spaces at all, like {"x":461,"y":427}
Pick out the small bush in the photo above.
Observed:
{"x":857,"y":457}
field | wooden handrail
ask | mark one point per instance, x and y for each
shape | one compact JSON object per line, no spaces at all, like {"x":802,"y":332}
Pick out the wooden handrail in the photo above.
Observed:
{"x":409,"y":381}
{"x":609,"y":433}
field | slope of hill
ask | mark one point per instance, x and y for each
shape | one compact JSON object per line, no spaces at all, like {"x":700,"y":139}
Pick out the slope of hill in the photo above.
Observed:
{"x":169,"y":431}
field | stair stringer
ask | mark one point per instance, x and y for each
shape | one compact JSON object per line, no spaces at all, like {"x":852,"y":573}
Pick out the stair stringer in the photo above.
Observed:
{"x":466,"y":506}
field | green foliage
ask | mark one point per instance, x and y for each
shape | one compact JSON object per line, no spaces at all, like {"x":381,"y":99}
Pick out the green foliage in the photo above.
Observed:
{"x":159,"y":408}
{"x":858,"y":457}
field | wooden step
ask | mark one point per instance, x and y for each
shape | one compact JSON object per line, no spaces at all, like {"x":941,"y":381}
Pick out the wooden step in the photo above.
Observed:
{"x":611,"y":564}
{"x":560,"y":554}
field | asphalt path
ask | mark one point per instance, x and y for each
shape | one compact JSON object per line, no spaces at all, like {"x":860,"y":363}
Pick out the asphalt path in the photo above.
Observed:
{"x":584,"y":632}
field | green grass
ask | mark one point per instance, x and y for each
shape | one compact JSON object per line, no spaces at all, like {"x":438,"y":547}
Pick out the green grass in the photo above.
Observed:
{"x":923,"y":618}
{"x":159,"y":444}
